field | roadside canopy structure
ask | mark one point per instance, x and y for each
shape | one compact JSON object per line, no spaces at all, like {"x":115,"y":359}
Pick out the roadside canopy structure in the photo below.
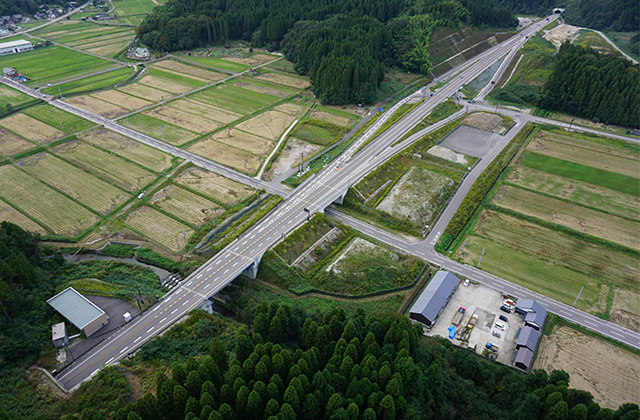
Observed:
{"x":434,"y":298}
{"x":80,"y":311}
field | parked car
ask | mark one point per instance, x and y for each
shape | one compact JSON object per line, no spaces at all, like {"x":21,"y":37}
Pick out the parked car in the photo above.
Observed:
{"x":466,"y":282}
{"x":505,"y":309}
{"x":500,"y":326}
{"x":504,"y":318}
{"x":495,"y":334}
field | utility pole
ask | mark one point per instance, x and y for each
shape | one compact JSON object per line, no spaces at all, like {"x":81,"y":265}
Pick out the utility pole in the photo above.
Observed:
{"x":245,"y":165}
{"x":308,"y":213}
{"x":569,"y":129}
{"x":60,"y":92}
{"x":478,"y":266}
{"x":213,"y":216}
{"x":161,"y":133}
{"x":205,"y":150}
{"x":184,"y":237}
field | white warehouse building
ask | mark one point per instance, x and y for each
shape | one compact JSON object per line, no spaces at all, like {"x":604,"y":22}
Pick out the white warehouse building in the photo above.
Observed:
{"x":13,"y":47}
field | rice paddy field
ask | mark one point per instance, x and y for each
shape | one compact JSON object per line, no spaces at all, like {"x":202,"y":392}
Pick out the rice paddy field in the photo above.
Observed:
{"x":31,"y":129}
{"x":103,"y":80}
{"x":134,"y":11}
{"x":234,"y":99}
{"x":186,"y":205}
{"x":564,"y":216}
{"x":60,"y":120}
{"x":160,"y":228}
{"x":12,"y":97}
{"x":160,"y":129}
{"x":13,"y":144}
{"x":221,"y":189}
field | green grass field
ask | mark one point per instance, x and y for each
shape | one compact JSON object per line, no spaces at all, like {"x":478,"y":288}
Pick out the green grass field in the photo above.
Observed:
{"x":61,"y":120}
{"x":177,"y":78}
{"x":134,"y":7}
{"x":12,"y":97}
{"x":323,"y":136}
{"x":90,"y":83}
{"x":161,"y":130}
{"x":218,"y":63}
{"x":591,"y":39}
{"x":235,"y":99}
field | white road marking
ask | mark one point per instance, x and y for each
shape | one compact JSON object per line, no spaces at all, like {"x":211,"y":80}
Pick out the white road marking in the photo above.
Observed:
{"x":94,"y":372}
{"x":226,"y":271}
{"x":189,"y":283}
{"x":252,"y":236}
{"x":108,"y":361}
{"x":174,"y":311}
{"x":236,"y":249}
{"x":124,"y":349}
{"x":185,"y":302}
{"x":236,"y":263}
{"x":200,"y":275}
{"x":206,"y":285}
{"x":150,"y":329}
{"x":218,"y":263}
{"x":162,"y":320}
{"x":135,"y":341}
{"x":243,"y":243}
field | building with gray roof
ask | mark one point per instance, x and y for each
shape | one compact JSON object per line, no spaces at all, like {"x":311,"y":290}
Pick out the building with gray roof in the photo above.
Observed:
{"x":79,"y":310}
{"x":434,"y":298}
{"x":534,"y":315}
{"x":524,"y":358}
{"x":528,"y":337}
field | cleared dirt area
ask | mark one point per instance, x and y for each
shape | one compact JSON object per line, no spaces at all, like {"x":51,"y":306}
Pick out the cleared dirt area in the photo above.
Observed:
{"x":470,"y":141}
{"x":203,"y":110}
{"x":11,"y":215}
{"x":629,"y":166}
{"x":161,"y":229}
{"x":417,"y":196}
{"x":12,"y":144}
{"x":448,"y":154}
{"x":227,"y":155}
{"x":610,"y":374}
{"x":185,"y":205}
{"x":215,"y":186}
{"x":483,"y":121}
{"x":59,"y":213}
{"x":291,"y":156}
{"x":562,"y":33}
{"x":285,"y":80}
{"x":289,"y":108}
{"x":242,"y":140}
{"x":118,"y":98}
{"x":100,"y":107}
{"x":135,"y":151}
{"x":198,"y":73}
{"x":581,"y":219}
{"x":332,"y":118}
{"x":183,"y":119}
{"x":31,"y":129}
{"x":270,"y":124}
{"x":625,"y":309}
{"x":145,"y":92}
{"x":76,"y":183}
{"x":610,"y":201}
{"x":269,"y":90}
{"x":165,"y":84}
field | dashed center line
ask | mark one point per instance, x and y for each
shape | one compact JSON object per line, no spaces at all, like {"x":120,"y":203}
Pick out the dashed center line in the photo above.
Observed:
{"x":124,"y":349}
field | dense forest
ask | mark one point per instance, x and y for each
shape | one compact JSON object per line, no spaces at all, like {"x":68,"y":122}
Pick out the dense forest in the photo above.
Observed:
{"x":343,"y":46}
{"x":11,"y":7}
{"x":593,"y":85}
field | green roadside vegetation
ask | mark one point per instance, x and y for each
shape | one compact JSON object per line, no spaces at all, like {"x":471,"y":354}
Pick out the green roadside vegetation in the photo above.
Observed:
{"x":442,"y":111}
{"x":591,"y":39}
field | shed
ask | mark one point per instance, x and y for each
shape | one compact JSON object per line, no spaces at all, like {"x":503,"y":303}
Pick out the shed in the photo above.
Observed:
{"x":524,"y":357}
{"x":528,"y":337}
{"x":79,"y":310}
{"x":534,"y":314}
{"x":434,"y":298}
{"x":13,"y":47}
{"x":59,"y":335}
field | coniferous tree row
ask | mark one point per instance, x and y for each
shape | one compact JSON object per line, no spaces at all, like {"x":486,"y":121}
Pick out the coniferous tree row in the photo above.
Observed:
{"x":593,"y":85}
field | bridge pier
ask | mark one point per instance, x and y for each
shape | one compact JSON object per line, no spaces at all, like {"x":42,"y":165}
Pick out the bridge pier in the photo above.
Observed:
{"x":206,"y":306}
{"x":252,"y":271}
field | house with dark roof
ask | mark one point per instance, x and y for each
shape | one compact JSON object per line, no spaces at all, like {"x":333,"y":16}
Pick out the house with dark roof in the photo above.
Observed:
{"x":528,"y":337}
{"x":534,"y":315}
{"x":524,"y":358}
{"x":434,"y":298}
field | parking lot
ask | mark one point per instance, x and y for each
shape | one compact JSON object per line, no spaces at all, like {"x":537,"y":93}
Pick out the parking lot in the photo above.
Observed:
{"x":470,"y":141}
{"x":485,"y":303}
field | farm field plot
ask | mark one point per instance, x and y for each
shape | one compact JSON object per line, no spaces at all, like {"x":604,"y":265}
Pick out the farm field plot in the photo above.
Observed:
{"x":44,"y":204}
{"x":12,"y":144}
{"x":165,"y":84}
{"x":323,"y":135}
{"x":160,"y":129}
{"x":31,"y":129}
{"x":161,"y":229}
{"x":253,"y":60}
{"x":242,"y":140}
{"x":289,"y":108}
{"x":13,"y":97}
{"x":215,"y":186}
{"x":74,"y":182}
{"x":183,"y":119}
{"x":135,"y":7}
{"x":609,"y":373}
{"x":227,"y":155}
{"x":121,"y":99}
{"x":193,"y":72}
{"x":219,"y":63}
{"x":145,"y":92}
{"x":417,"y":196}
{"x":287,"y":80}
{"x":266,"y":88}
{"x":583,"y":193}
{"x":581,"y":219}
{"x":483,"y":121}
{"x":625,"y":308}
{"x":235,"y":99}
{"x":98,"y":106}
{"x":109,"y":167}
{"x":61,"y":120}
{"x":185,"y":205}
{"x":129,"y":149}
{"x":11,"y":215}
{"x":333,"y":117}
{"x":204,"y":110}
{"x":99,"y":81}
{"x":270,"y":124}
{"x":38,"y":64}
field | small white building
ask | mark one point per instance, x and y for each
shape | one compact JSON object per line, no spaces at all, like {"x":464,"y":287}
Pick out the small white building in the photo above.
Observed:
{"x":59,"y":335}
{"x":141,"y":53}
{"x":13,"y":47}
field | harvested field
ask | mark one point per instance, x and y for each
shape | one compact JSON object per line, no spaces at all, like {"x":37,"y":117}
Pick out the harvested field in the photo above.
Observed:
{"x":204,"y":110}
{"x":558,"y":248}
{"x":160,"y":129}
{"x":185,"y":205}
{"x":145,"y":92}
{"x":97,"y":106}
{"x":183,"y":119}
{"x":254,"y":60}
{"x":126,"y":101}
{"x":107,"y":166}
{"x":417,"y":196}
{"x":242,"y":140}
{"x":597,"y":144}
{"x":227,"y":155}
{"x":264,"y":88}
{"x":270,"y":124}
{"x":165,"y":84}
{"x":581,"y":219}
{"x":215,"y":186}
{"x":332,"y":118}
{"x":235,"y":99}
{"x":161,"y":229}
{"x":194,"y":72}
{"x":283,"y":79}
{"x":583,"y":193}
{"x":289,"y":108}
{"x":31,"y":129}
{"x":11,"y":215}
{"x":12,"y":96}
{"x":46,"y":205}
{"x":130,"y":149}
{"x":12,"y":144}
{"x":609,"y":373}
{"x":625,"y":309}
{"x":629,"y":165}
{"x":76,"y":183}
{"x":483,"y":121}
